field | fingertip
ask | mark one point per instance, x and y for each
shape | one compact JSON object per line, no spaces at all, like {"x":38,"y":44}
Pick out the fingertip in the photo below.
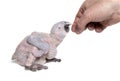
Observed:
{"x":73,"y":27}
{"x":98,"y":30}
{"x":78,"y":31}
{"x":99,"y":27}
{"x":80,"y":27}
{"x":91,"y":28}
{"x":75,"y":24}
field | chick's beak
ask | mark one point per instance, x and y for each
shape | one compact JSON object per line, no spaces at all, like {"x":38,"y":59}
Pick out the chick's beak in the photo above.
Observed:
{"x":66,"y":27}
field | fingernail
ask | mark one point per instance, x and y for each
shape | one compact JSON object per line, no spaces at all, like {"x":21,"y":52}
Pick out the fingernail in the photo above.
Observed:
{"x":98,"y":30}
{"x":91,"y":28}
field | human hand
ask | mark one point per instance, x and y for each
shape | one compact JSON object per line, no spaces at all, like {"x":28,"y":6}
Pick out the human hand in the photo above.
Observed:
{"x":96,"y":15}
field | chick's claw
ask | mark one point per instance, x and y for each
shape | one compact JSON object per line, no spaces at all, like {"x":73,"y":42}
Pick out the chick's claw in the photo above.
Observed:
{"x":36,"y":67}
{"x":40,"y":67}
{"x":53,"y":60}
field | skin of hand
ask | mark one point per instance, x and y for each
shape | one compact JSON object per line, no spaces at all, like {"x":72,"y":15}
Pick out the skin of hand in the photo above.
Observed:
{"x":96,"y":15}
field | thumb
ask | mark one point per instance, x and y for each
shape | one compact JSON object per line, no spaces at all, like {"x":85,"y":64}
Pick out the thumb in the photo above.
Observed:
{"x":81,"y":24}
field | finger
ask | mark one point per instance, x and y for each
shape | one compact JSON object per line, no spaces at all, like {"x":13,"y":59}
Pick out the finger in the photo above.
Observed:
{"x":77,"y":30}
{"x":99,"y":27}
{"x":78,"y":15}
{"x":90,"y":26}
{"x":81,"y":24}
{"x":75,"y":24}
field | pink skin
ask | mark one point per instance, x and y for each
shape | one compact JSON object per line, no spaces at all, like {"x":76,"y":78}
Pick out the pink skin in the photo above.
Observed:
{"x":24,"y":50}
{"x":96,"y":15}
{"x":27,"y":48}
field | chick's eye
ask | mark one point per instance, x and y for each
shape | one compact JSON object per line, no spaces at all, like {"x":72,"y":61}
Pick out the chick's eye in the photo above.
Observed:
{"x":59,"y":27}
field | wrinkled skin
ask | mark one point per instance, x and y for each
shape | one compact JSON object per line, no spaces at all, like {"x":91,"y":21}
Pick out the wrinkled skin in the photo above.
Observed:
{"x":96,"y":15}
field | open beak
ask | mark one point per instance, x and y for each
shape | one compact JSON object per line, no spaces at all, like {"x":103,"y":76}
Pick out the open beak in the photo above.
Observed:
{"x":66,"y":27}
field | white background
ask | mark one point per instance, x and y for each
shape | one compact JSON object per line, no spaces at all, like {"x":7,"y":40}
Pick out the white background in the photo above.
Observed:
{"x":86,"y":57}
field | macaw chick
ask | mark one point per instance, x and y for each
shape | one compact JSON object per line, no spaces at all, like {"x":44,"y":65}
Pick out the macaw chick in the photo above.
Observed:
{"x":39,"y":48}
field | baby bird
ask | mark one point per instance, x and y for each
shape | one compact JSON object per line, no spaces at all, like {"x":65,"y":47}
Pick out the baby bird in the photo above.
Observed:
{"x":39,"y":48}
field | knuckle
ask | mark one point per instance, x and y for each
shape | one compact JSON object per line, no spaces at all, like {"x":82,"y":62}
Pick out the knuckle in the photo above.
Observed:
{"x":87,"y":15}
